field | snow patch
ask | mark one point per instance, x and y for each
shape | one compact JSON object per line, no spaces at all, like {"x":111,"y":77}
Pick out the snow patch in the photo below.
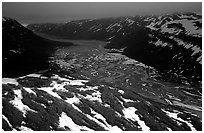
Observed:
{"x":152,"y":25}
{"x":6,"y":119}
{"x":9,"y":81}
{"x":128,"y":100}
{"x":160,"y":43}
{"x":121,"y":91}
{"x":190,"y":29}
{"x":18,"y":103}
{"x":3,"y":19}
{"x":66,"y":121}
{"x":49,"y":90}
{"x":174,"y":115}
{"x":73,"y":100}
{"x":78,"y":82}
{"x":34,"y":75}
{"x":87,"y":88}
{"x":169,"y":129}
{"x":196,"y":50}
{"x":109,"y":127}
{"x":95,"y":96}
{"x":29,"y":90}
{"x":23,"y":128}
{"x":173,"y":97}
{"x":130,"y":21}
{"x":71,"y":82}
{"x":130,"y":114}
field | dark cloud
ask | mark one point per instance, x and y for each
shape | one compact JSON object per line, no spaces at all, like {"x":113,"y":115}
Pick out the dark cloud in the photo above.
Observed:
{"x":34,"y":12}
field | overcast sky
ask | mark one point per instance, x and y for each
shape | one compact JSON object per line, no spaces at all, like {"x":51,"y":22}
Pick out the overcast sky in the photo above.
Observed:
{"x":37,"y":12}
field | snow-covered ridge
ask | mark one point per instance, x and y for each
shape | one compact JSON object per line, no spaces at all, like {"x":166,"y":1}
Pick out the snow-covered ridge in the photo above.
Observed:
{"x":9,"y":81}
{"x":57,"y":87}
{"x":188,"y":25}
{"x":81,"y":93}
{"x":178,"y":28}
{"x":183,"y":23}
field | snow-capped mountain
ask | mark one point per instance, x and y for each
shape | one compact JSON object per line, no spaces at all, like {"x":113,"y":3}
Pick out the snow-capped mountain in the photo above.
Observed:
{"x":99,"y":29}
{"x":89,"y":88}
{"x":181,"y":36}
{"x":170,"y":43}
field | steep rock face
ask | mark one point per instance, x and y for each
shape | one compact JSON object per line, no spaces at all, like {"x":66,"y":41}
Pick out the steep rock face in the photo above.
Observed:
{"x":22,"y":49}
{"x":170,"y":43}
{"x":23,"y":52}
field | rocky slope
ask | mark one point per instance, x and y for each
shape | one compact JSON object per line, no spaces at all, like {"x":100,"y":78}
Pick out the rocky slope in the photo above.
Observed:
{"x":170,"y":43}
{"x":23,"y":51}
{"x":94,"y":89}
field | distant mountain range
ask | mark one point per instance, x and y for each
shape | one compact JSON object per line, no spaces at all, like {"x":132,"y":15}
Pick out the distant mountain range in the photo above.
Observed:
{"x":170,"y":43}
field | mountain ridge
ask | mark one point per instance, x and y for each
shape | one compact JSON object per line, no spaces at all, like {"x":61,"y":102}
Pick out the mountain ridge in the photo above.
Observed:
{"x":23,"y":51}
{"x":171,"y":37}
{"x":89,"y":88}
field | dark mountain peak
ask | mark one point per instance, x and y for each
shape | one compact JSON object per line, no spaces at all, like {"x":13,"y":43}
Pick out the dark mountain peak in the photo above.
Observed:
{"x":11,"y":23}
{"x":8,"y":19}
{"x":23,"y":51}
{"x":13,"y":29}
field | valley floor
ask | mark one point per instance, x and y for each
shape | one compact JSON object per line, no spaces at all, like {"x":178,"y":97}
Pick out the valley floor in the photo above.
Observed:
{"x":92,"y":88}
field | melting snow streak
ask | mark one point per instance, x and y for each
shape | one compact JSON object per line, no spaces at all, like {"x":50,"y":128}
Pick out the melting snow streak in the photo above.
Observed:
{"x":66,"y":121}
{"x":130,"y":114}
